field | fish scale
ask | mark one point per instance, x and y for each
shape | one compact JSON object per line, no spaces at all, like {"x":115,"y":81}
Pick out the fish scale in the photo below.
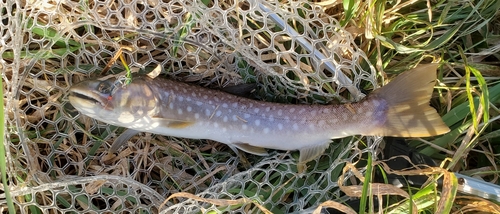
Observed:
{"x":167,"y":107}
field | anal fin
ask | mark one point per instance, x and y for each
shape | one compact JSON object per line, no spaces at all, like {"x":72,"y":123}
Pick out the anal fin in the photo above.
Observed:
{"x":310,"y":153}
{"x":251,"y":149}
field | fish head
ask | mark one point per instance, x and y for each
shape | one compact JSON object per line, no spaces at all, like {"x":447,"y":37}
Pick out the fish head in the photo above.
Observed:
{"x":114,"y":102}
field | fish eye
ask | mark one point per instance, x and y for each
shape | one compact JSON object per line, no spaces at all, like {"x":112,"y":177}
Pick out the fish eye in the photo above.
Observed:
{"x":104,"y":87}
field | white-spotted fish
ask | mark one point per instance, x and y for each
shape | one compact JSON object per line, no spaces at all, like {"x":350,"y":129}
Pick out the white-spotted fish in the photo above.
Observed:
{"x":166,"y":107}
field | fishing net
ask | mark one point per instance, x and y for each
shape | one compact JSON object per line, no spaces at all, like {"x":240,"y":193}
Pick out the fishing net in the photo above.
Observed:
{"x":58,"y":160}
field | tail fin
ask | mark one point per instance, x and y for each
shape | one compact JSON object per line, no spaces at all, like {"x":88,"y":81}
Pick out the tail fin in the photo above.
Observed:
{"x":407,"y":97}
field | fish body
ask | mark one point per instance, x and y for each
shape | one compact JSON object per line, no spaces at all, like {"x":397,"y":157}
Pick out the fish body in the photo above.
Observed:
{"x":167,"y":107}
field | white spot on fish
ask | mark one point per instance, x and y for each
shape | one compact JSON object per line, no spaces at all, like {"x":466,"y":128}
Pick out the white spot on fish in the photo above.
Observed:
{"x":235,"y":117}
{"x":218,"y":113}
{"x":171,"y":105}
{"x":193,"y":94}
{"x":280,"y":112}
{"x":288,"y":118}
{"x":179,"y":111}
{"x":256,"y":110}
{"x":302,"y":111}
{"x":246,"y":116}
{"x":244,"y":126}
{"x":295,"y":127}
{"x":205,"y":97}
{"x":313,"y":113}
{"x":292,"y":110}
{"x":280,"y":126}
{"x":180,"y":98}
{"x":268,"y":109}
{"x":311,"y":126}
{"x":189,"y":109}
{"x":234,"y":105}
{"x":225,"y":119}
{"x":199,"y":103}
{"x":257,"y":122}
{"x":266,"y":130}
{"x":196,"y":116}
{"x":207,"y":112}
{"x":321,"y":123}
{"x":271,"y":118}
{"x":224,"y":105}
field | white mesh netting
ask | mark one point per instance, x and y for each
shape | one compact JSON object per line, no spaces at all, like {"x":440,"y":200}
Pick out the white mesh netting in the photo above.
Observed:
{"x":58,"y":160}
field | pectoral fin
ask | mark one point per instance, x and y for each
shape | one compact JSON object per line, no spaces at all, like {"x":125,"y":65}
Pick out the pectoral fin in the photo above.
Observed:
{"x":179,"y":124}
{"x":173,"y":123}
{"x":251,"y":149}
{"x":310,"y":153}
{"x":122,"y":139}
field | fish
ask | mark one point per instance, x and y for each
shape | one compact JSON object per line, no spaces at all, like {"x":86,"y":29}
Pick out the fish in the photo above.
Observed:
{"x":172,"y":108}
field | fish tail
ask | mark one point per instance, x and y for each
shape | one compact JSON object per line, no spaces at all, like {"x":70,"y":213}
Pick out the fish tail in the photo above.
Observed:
{"x":408,"y":111}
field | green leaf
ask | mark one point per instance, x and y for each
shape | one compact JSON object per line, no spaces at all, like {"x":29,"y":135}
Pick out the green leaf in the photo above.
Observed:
{"x":3,"y":156}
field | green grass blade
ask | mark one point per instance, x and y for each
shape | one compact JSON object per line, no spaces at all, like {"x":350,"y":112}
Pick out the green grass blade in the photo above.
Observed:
{"x":365,"y":194}
{"x":485,"y":96}
{"x":446,"y":37}
{"x":3,"y":156}
{"x":51,"y":34}
{"x":350,"y":8}
{"x":396,"y":46}
{"x":468,"y":90}
{"x":448,"y":196}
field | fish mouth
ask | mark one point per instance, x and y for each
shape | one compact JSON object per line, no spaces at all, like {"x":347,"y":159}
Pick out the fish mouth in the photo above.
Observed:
{"x":86,"y":98}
